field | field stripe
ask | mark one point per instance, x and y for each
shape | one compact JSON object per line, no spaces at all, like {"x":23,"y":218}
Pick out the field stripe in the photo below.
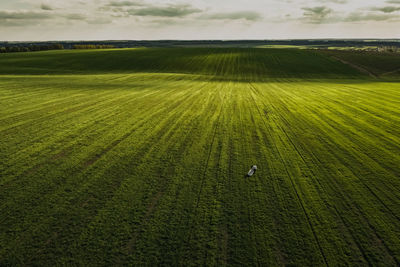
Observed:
{"x":295,"y":190}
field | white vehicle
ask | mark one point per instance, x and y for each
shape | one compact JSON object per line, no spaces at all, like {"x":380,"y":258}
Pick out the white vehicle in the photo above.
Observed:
{"x":252,"y":171}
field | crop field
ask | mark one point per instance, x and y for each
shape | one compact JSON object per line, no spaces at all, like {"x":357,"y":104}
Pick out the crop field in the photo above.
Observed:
{"x":139,"y":156}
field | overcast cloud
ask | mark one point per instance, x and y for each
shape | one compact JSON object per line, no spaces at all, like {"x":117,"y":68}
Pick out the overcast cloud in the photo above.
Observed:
{"x":22,"y":20}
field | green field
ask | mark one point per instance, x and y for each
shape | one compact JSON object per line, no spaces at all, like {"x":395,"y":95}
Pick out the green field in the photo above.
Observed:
{"x":138,"y":157}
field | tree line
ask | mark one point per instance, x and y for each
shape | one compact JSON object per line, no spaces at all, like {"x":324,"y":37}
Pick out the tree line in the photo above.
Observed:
{"x":92,"y":46}
{"x":30,"y":48}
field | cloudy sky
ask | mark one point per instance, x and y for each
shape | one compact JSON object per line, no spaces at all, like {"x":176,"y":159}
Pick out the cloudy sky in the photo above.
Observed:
{"x":22,"y":20}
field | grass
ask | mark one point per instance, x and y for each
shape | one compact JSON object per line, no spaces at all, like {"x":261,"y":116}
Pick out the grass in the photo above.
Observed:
{"x":143,"y":163}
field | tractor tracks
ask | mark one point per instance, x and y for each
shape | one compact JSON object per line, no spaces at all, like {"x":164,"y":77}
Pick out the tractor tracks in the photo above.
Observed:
{"x":357,"y":67}
{"x":254,"y":90}
{"x":217,"y":124}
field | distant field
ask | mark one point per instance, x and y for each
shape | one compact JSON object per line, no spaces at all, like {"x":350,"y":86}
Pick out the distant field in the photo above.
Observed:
{"x":138,"y":157}
{"x":221,"y":63}
{"x":382,"y":64}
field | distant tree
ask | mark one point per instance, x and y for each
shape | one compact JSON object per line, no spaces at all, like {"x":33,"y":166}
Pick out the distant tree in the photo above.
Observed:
{"x":14,"y":49}
{"x":92,"y":46}
{"x":35,"y":48}
{"x":57,"y":47}
{"x":3,"y":50}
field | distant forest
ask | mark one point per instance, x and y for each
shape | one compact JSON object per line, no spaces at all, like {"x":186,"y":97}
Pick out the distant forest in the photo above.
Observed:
{"x":45,"y":47}
{"x":29,"y":47}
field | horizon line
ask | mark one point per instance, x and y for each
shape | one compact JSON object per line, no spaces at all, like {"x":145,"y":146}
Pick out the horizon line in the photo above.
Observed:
{"x":202,"y":40}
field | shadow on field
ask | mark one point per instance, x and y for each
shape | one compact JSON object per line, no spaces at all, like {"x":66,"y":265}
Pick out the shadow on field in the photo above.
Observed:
{"x":216,"y":64}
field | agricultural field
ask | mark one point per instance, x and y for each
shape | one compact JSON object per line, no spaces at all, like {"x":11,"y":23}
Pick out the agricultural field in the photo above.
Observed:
{"x":139,"y":156}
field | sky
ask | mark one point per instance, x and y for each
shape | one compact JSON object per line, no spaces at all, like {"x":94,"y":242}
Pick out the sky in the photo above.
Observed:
{"x":42,"y":20}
